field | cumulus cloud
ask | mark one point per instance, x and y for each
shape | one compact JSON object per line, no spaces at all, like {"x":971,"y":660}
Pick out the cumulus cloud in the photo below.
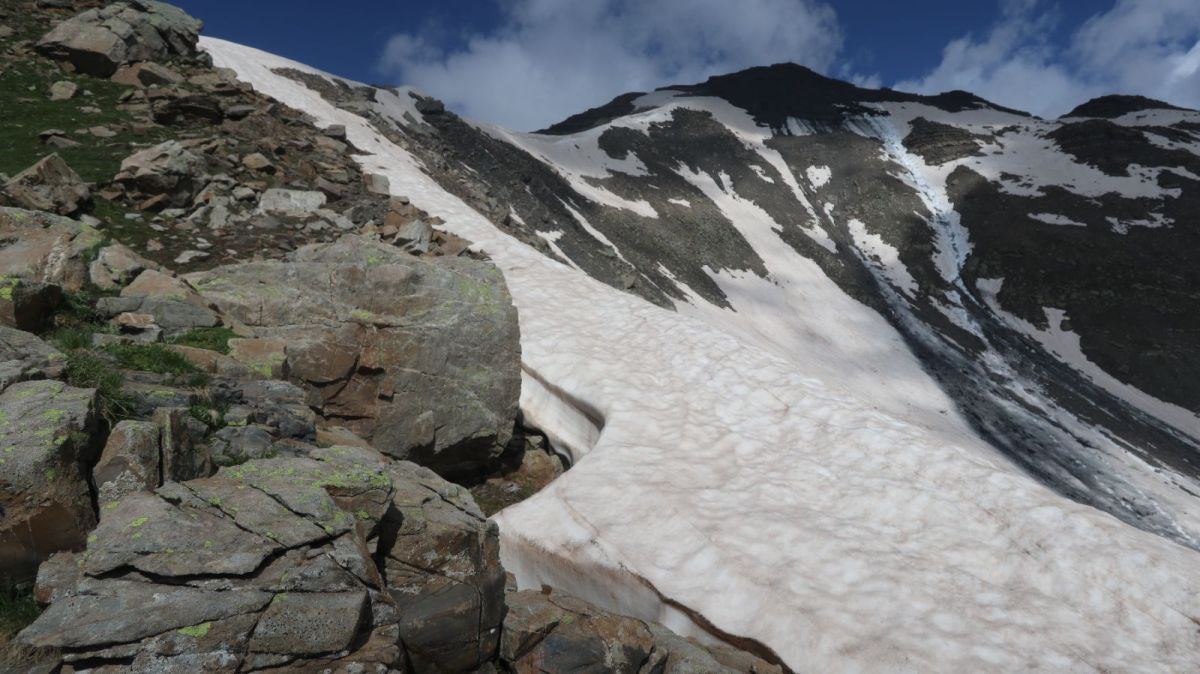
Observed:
{"x":1147,"y":47}
{"x":553,"y":58}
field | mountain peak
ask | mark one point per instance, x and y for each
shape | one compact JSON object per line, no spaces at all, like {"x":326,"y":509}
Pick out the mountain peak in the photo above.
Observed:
{"x":1116,"y":105}
{"x":774,"y":93}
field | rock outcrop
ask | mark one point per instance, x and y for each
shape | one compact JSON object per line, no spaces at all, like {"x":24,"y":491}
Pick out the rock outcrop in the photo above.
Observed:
{"x":44,"y":255}
{"x":23,"y":357}
{"x":98,"y":41}
{"x":45,"y":451}
{"x":269,"y":565}
{"x":49,"y":185}
{"x":168,"y":172}
{"x":552,"y":632}
{"x":421,"y":357}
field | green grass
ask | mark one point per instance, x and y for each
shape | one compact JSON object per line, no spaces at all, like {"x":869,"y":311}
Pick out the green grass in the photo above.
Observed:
{"x":212,"y":339}
{"x":76,"y":320}
{"x":209,"y":414}
{"x":17,"y":611}
{"x":28,"y":110}
{"x":150,"y":358}
{"x":87,"y":369}
{"x":71,"y":338}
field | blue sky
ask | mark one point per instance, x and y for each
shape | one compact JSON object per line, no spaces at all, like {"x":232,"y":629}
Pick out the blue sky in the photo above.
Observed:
{"x":527,"y":63}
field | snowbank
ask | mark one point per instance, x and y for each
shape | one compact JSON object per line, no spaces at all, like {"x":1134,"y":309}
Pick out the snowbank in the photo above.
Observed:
{"x":726,"y":481}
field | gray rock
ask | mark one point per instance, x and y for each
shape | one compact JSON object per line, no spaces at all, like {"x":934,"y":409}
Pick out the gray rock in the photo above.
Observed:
{"x":98,"y":41}
{"x":183,"y":455}
{"x":272,"y":566}
{"x":49,"y":185}
{"x":170,"y":314}
{"x":45,"y":454}
{"x":43,"y":255}
{"x":443,"y":571}
{"x":121,"y":611}
{"x":168,"y":169}
{"x":310,"y":623}
{"x":131,"y":462}
{"x":257,"y":511}
{"x":24,"y":356}
{"x":290,"y":203}
{"x":279,"y":406}
{"x":145,"y":532}
{"x":377,"y":184}
{"x":115,"y":266}
{"x":44,"y":248}
{"x":433,"y":378}
{"x":235,"y":445}
{"x":63,"y":90}
{"x":415,"y":236}
{"x":146,"y":74}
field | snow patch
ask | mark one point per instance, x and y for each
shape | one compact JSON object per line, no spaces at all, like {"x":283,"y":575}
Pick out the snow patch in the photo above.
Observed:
{"x":818,"y":176}
{"x":883,"y":257}
{"x":1055,"y":219}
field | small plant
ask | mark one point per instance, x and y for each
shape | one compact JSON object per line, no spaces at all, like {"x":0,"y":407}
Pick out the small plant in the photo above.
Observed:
{"x":71,"y":338}
{"x":210,"y":414}
{"x":212,"y":339}
{"x":86,"y":369}
{"x":151,"y":358}
{"x":17,"y":612}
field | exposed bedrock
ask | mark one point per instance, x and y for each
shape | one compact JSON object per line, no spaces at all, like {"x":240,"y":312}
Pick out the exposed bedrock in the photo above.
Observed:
{"x":421,"y":357}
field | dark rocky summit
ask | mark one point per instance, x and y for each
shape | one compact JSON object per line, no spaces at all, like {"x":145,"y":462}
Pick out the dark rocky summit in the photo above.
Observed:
{"x":1109,"y":107}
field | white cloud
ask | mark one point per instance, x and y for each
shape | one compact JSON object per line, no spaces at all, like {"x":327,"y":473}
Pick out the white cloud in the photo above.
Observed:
{"x":553,"y":58}
{"x":1147,"y":47}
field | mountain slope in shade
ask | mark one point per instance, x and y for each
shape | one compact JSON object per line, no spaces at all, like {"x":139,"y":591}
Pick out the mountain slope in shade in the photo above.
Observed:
{"x":830,"y":366}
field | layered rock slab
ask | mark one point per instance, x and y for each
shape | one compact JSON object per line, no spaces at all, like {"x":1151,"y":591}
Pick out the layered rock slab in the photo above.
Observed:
{"x":335,"y":560}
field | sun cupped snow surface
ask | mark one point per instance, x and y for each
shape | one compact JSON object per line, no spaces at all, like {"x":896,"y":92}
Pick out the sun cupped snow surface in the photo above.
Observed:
{"x":728,"y":491}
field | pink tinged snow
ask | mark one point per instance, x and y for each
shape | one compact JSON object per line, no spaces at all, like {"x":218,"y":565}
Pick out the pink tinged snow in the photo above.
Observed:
{"x":802,"y":489}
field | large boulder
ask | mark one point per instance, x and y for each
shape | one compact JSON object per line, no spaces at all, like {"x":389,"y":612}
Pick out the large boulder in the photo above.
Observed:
{"x":45,"y":453}
{"x":98,"y":41}
{"x":115,"y":266}
{"x":269,"y":566}
{"x":40,"y":256}
{"x":49,"y":185}
{"x":24,"y":356}
{"x":168,"y":171}
{"x":420,"y":357}
{"x":173,"y":304}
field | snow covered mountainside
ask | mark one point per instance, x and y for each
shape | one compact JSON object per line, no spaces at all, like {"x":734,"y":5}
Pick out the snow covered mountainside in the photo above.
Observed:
{"x":859,"y":380}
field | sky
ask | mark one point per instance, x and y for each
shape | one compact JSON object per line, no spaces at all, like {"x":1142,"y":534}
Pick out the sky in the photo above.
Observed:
{"x":525,"y":64}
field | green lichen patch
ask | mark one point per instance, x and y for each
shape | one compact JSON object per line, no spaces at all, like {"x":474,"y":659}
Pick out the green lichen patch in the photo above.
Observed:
{"x":196,"y":631}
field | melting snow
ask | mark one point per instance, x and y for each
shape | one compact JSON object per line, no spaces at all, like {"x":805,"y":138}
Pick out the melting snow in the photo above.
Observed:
{"x":818,"y":176}
{"x":1055,"y":219}
{"x":821,"y":517}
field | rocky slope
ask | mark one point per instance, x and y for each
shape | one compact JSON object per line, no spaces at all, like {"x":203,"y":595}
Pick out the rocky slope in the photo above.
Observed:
{"x":235,"y":376}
